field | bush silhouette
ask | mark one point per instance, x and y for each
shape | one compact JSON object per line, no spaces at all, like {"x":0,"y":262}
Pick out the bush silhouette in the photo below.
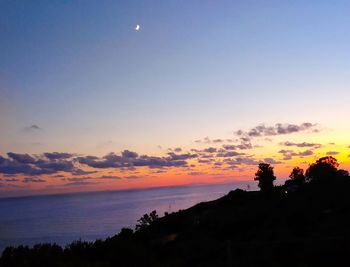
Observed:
{"x":297,"y":179}
{"x":297,"y":175}
{"x":265,"y":177}
{"x":146,"y":220}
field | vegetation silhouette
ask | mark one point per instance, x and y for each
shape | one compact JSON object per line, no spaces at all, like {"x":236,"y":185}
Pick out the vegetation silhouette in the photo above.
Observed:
{"x":324,"y":169}
{"x":297,"y":179}
{"x":304,"y":227}
{"x":297,"y":175}
{"x":265,"y":177}
{"x":146,"y":220}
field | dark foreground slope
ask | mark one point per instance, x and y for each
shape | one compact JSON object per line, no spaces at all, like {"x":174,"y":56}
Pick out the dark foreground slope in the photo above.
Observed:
{"x":309,"y":227}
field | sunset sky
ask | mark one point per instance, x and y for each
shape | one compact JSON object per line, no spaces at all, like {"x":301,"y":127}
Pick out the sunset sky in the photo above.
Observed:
{"x":201,"y":92}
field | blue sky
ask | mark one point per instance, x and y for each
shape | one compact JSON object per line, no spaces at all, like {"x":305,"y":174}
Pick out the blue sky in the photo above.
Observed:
{"x":92,"y":84}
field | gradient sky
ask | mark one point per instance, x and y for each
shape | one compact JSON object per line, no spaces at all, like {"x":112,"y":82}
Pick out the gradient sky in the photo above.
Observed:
{"x":76,"y":78}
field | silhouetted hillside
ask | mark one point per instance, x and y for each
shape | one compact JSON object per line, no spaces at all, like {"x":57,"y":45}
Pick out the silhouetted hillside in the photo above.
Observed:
{"x":306,"y":226}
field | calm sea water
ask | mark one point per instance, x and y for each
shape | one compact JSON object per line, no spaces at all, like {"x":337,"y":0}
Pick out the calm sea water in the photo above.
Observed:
{"x":89,"y":216}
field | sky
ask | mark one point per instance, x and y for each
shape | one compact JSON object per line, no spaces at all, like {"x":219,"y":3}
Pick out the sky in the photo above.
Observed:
{"x":201,"y":93}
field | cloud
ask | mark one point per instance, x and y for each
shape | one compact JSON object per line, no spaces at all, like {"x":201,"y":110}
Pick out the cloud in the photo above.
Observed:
{"x":32,"y":128}
{"x":277,"y":129}
{"x":158,"y":162}
{"x":21,"y":158}
{"x":245,"y":146}
{"x":209,"y":150}
{"x":77,"y":179}
{"x":332,"y":153}
{"x":206,"y":140}
{"x":158,"y":171}
{"x":205,"y":160}
{"x":132,"y":177}
{"x":248,"y":160}
{"x":35,"y":127}
{"x":92,"y":161}
{"x":304,"y":144}
{"x":271,"y":161}
{"x":229,"y":147}
{"x":12,"y":166}
{"x":80,"y":183}
{"x":11,"y":180}
{"x":228,"y":154}
{"x":196,"y":173}
{"x":241,"y":146}
{"x":305,"y":153}
{"x":110,"y":177}
{"x":289,"y":154}
{"x":33,"y":165}
{"x":186,"y":156}
{"x":58,"y":156}
{"x":49,"y":167}
{"x":12,"y":186}
{"x":78,"y":172}
{"x":33,"y":180}
{"x":129,"y":154}
{"x":245,"y":139}
{"x":129,"y":159}
{"x":286,"y":151}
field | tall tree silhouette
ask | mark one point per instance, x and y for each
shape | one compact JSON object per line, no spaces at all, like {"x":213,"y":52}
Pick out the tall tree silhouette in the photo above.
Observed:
{"x":265,"y":177}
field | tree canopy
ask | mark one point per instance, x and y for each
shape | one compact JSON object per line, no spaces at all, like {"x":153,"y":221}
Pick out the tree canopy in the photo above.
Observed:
{"x":297,"y":175}
{"x":324,"y":169}
{"x":265,"y":177}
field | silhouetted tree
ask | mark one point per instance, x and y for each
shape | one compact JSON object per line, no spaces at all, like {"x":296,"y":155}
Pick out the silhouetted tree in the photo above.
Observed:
{"x":265,"y":176}
{"x":297,"y":178}
{"x":297,"y":175}
{"x":324,"y":169}
{"x":146,"y":220}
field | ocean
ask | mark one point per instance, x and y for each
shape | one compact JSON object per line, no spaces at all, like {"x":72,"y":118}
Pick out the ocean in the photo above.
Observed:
{"x":64,"y":218}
